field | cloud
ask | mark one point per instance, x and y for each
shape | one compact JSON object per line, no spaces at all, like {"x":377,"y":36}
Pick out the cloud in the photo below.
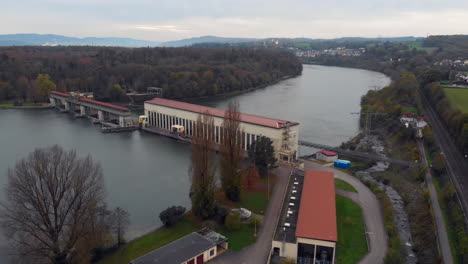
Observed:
{"x":162,"y":20}
{"x":160,"y":28}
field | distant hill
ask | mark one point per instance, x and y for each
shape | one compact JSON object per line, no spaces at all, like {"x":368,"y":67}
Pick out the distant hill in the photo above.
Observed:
{"x":205,"y":39}
{"x":54,"y":40}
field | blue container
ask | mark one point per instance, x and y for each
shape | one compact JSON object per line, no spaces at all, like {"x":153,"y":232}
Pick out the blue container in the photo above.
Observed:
{"x":344,"y":164}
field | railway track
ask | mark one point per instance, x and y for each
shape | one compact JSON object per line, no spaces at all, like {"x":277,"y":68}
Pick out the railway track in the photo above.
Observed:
{"x":457,"y":164}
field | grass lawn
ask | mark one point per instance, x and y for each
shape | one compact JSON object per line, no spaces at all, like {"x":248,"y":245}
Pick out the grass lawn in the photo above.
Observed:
{"x":352,"y":244}
{"x":340,"y":184}
{"x":240,"y":238}
{"x":458,"y":97}
{"x":410,"y":109}
{"x":152,"y":241}
{"x":256,"y":202}
{"x":5,"y":105}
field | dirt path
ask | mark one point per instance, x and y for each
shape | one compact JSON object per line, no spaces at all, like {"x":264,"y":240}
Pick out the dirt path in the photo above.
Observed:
{"x":444,"y":244}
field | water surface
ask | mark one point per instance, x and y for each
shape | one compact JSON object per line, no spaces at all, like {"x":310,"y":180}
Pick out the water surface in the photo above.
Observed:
{"x":145,"y":173}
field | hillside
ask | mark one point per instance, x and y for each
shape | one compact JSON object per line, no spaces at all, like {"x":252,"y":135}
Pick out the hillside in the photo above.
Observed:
{"x":110,"y":72}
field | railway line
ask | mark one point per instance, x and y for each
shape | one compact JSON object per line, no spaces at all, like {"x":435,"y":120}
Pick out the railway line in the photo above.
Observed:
{"x":457,"y":166}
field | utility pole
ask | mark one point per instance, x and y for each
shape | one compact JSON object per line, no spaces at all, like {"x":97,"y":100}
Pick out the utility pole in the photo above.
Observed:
{"x":368,"y":114}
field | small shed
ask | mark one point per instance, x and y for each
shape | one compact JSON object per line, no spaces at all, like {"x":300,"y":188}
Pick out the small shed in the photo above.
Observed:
{"x":327,"y":155}
{"x":344,"y":164}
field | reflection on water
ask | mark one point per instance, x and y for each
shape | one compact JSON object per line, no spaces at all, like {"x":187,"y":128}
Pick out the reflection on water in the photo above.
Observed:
{"x":145,"y":173}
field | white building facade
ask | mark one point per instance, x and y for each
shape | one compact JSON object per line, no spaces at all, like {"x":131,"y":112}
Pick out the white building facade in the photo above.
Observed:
{"x":164,"y":113}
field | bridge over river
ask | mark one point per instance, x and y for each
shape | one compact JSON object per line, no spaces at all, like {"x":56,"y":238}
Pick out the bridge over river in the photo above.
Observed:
{"x":100,"y":111}
{"x":358,"y":154}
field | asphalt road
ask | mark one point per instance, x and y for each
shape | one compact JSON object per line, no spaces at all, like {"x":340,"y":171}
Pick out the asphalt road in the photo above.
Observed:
{"x":258,"y":253}
{"x":457,"y":164}
{"x":373,"y":218}
{"x":444,"y":244}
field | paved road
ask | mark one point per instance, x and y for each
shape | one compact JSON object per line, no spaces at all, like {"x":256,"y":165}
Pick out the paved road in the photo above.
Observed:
{"x":371,"y":210}
{"x":358,"y":154}
{"x":444,"y":244}
{"x":457,"y":165}
{"x":258,"y":253}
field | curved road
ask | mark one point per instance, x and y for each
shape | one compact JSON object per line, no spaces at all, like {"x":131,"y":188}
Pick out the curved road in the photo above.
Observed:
{"x":375,"y":230}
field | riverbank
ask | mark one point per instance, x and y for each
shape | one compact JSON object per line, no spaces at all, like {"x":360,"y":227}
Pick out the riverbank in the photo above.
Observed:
{"x":28,"y":106}
{"x":219,"y":96}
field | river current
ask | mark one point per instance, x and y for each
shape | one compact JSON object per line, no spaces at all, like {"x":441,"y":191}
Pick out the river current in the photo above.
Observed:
{"x":146,"y":173}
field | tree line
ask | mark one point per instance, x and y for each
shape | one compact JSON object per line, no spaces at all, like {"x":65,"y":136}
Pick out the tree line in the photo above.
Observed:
{"x":109,"y":72}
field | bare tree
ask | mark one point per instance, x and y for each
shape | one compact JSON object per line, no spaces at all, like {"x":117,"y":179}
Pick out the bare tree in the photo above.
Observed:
{"x":52,"y":200}
{"x":203,"y":167}
{"x":120,"y":222}
{"x":231,"y":153}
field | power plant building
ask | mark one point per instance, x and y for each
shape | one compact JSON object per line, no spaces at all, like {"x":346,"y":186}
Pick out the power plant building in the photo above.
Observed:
{"x":164,"y":115}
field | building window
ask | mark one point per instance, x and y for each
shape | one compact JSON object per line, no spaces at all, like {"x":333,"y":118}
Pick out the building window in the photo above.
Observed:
{"x":212,"y":252}
{"x":248,"y":140}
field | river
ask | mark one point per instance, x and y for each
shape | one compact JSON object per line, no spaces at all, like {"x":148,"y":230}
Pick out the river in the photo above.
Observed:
{"x":145,"y":173}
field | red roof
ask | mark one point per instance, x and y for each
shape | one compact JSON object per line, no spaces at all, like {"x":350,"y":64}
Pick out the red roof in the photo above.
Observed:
{"x":60,"y":93}
{"x":328,"y":153}
{"x":104,"y":104}
{"x":317,"y":213}
{"x":246,"y":118}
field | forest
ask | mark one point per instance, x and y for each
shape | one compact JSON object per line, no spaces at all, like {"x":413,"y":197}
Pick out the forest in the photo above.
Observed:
{"x":28,"y":73}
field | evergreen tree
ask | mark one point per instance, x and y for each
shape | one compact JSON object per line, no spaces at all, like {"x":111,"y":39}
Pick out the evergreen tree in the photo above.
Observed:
{"x":231,"y":153}
{"x":262,"y":155}
{"x":203,"y":168}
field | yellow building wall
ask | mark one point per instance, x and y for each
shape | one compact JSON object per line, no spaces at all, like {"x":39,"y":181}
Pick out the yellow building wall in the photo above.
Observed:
{"x":276,"y":135}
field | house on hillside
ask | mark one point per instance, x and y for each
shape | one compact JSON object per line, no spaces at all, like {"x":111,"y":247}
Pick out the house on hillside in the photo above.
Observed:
{"x":407,"y":117}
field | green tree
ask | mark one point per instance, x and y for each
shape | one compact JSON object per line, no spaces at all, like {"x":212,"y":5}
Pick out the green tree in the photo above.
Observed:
{"x":233,"y":221}
{"x":262,"y":155}
{"x":231,"y":153}
{"x":117,"y":93}
{"x":203,"y":168}
{"x":45,"y":85}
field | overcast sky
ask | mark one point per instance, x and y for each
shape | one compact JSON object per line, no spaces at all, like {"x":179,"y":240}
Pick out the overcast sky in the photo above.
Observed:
{"x":162,"y":20}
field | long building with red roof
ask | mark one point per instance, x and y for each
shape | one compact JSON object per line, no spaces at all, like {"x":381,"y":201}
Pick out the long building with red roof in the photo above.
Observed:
{"x":307,"y":230}
{"x":167,"y":115}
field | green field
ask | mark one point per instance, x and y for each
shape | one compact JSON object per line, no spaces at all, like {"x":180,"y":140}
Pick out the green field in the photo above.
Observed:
{"x":352,"y":244}
{"x":240,"y":238}
{"x":458,"y":97}
{"x":340,"y":184}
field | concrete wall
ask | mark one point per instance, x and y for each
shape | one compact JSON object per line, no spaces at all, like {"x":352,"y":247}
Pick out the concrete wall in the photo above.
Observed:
{"x":206,"y":256}
{"x":289,"y":250}
{"x":326,"y":158}
{"x":275,"y":134}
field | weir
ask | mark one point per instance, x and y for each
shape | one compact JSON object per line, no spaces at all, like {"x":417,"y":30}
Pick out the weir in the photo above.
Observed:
{"x":100,"y":112}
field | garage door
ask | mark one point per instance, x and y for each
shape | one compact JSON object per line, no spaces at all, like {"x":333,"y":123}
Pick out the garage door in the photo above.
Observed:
{"x":192,"y":261}
{"x":200,"y":259}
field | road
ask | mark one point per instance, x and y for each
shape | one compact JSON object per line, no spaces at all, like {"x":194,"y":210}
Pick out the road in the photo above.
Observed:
{"x":259,"y":252}
{"x":444,"y":244}
{"x":375,"y":229}
{"x":358,"y":154}
{"x":457,"y":166}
